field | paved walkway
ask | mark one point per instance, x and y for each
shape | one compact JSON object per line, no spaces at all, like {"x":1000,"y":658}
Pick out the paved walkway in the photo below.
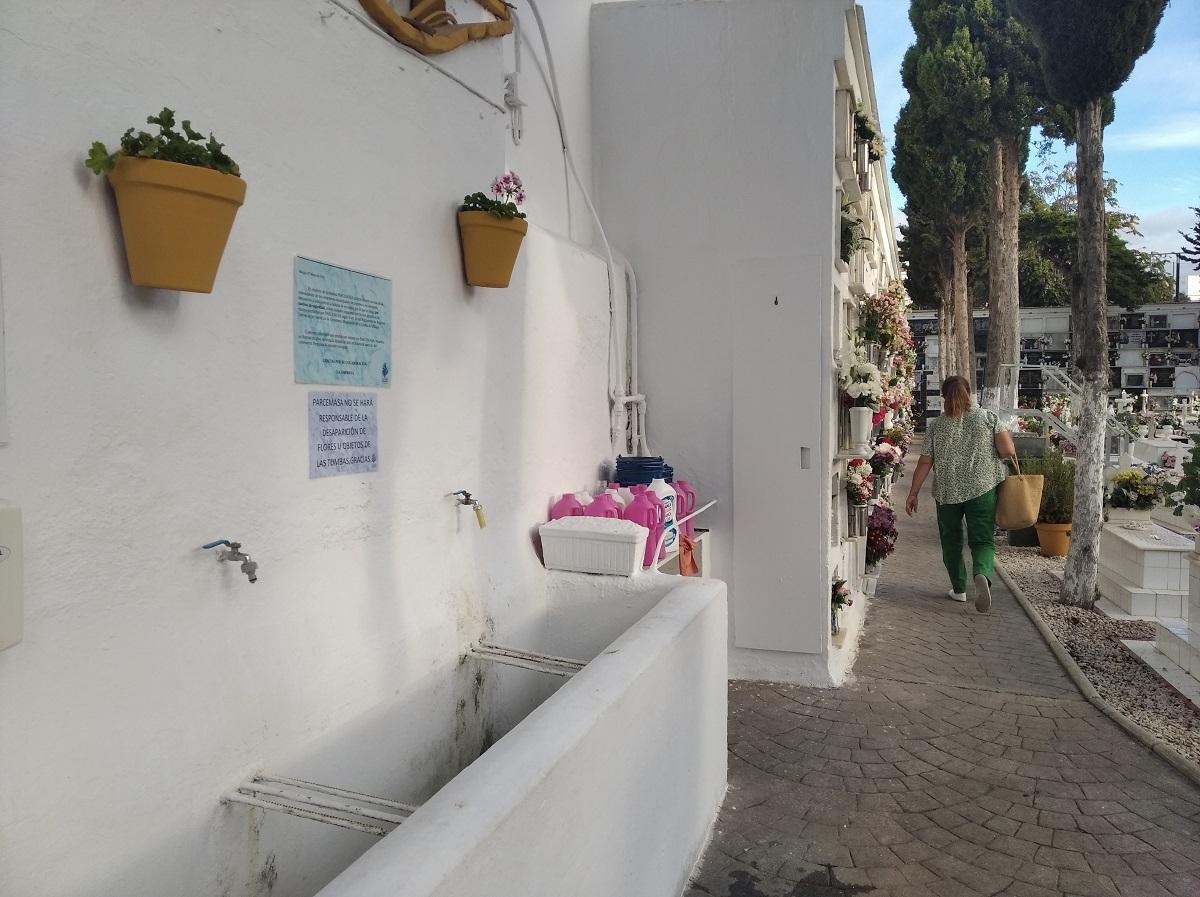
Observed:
{"x":962,"y":761}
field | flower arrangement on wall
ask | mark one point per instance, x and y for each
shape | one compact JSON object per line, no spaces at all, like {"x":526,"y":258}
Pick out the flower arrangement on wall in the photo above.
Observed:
{"x":886,"y":458}
{"x":1143,"y":488}
{"x":862,"y":384}
{"x":860,"y":483}
{"x":867,"y":130}
{"x":840,"y":595}
{"x":881,"y":533}
{"x":883,"y":319}
{"x":900,"y":436}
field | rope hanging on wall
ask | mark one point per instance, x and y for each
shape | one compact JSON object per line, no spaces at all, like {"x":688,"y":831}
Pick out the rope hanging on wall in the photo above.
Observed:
{"x":429,"y":28}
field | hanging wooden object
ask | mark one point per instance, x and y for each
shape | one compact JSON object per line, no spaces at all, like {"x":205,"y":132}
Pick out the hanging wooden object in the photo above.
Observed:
{"x":430,"y":28}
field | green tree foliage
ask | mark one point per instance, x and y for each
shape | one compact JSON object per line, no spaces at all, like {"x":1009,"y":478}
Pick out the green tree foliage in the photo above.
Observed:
{"x":1089,"y":47}
{"x":1049,"y":239}
{"x":924,"y":254}
{"x":939,"y":166}
{"x":1057,"y":187}
{"x":1191,"y":249}
{"x":986,"y":75}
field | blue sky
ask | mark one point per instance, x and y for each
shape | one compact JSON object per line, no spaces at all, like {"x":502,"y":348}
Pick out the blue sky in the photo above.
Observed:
{"x":1153,"y":145}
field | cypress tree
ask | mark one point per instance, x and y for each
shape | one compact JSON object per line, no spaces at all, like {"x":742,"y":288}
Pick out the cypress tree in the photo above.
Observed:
{"x":940,"y":169}
{"x":1087,"y":49}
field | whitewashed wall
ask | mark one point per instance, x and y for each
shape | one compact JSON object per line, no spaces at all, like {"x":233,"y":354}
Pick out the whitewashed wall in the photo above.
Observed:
{"x":714,"y":143}
{"x":144,"y":423}
{"x":630,"y":754}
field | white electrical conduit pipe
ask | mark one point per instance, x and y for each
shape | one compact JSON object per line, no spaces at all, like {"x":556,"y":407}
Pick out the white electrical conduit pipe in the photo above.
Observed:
{"x":550,"y":76}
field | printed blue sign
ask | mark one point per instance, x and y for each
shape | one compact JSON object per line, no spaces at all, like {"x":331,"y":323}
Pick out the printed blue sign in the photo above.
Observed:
{"x":343,"y":325}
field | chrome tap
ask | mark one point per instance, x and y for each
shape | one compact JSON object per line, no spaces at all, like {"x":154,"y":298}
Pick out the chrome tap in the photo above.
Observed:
{"x":465,"y":498}
{"x":233,"y":552}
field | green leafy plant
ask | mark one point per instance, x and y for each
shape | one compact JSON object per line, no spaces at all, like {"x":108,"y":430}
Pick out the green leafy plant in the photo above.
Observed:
{"x":853,"y":236}
{"x":507,"y":193}
{"x":1189,"y":483}
{"x":867,"y":130}
{"x":168,"y":145}
{"x":1058,"y":485}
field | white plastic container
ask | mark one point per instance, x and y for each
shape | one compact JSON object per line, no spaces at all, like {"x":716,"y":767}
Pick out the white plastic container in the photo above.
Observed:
{"x":594,"y":545}
{"x":666,"y":494}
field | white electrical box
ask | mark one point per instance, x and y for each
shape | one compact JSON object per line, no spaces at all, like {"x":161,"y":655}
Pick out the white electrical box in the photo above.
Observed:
{"x":12,"y":602}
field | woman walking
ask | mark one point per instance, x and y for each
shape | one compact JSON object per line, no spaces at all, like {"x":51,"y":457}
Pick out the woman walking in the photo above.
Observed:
{"x":964,"y":447}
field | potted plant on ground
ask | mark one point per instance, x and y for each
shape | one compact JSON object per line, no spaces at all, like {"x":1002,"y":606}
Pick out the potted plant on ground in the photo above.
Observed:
{"x":1134,"y":493}
{"x":491,"y":229}
{"x":840,"y":597}
{"x":177,"y":195}
{"x":1058,"y":501}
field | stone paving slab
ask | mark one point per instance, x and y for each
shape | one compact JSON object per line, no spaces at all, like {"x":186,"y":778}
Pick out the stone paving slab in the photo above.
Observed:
{"x":961,"y":761}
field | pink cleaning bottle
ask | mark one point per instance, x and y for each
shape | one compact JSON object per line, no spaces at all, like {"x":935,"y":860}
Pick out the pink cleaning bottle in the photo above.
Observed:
{"x":603,"y":505}
{"x":644,"y":511}
{"x":661,"y":507}
{"x":567,"y":506}
{"x":684,"y":505}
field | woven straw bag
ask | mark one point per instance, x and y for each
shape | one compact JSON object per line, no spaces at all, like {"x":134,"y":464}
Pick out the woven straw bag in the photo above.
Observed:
{"x":1020,"y":500}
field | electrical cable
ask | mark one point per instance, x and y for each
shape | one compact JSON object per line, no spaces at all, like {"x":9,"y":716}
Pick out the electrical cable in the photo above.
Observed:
{"x":550,"y":78}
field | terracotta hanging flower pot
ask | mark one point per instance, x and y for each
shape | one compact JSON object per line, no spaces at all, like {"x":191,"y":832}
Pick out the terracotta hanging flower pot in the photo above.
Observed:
{"x":175,"y":220}
{"x":177,"y":195}
{"x":490,"y":247}
{"x":491,"y":230}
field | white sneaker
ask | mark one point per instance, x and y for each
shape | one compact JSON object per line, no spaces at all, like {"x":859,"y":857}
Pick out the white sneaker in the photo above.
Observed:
{"x":983,"y":593}
{"x":957,"y":596}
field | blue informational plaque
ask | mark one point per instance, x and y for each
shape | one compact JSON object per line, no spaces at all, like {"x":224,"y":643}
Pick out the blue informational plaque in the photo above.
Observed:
{"x":343,"y":325}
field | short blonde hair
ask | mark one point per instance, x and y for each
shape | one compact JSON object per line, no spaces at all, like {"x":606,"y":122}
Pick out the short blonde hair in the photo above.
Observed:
{"x":956,"y":396}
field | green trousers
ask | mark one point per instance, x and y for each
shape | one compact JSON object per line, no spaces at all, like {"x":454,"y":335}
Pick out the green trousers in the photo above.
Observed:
{"x":980,"y":513}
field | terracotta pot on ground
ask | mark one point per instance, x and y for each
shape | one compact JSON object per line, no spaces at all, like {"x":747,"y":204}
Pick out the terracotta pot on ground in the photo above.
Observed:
{"x":1055,"y":539}
{"x":175,"y":220}
{"x":490,"y":246}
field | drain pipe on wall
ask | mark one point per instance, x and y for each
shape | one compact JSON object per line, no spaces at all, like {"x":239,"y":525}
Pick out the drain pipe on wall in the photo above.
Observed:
{"x":632,"y":437}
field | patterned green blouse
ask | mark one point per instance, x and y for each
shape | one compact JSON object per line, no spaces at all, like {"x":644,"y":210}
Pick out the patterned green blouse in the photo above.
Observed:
{"x":963,"y":449}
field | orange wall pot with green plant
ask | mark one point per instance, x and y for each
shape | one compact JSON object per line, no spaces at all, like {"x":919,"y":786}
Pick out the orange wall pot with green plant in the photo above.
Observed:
{"x":490,"y":247}
{"x":175,"y":220}
{"x":177,"y":195}
{"x":491,"y":229}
